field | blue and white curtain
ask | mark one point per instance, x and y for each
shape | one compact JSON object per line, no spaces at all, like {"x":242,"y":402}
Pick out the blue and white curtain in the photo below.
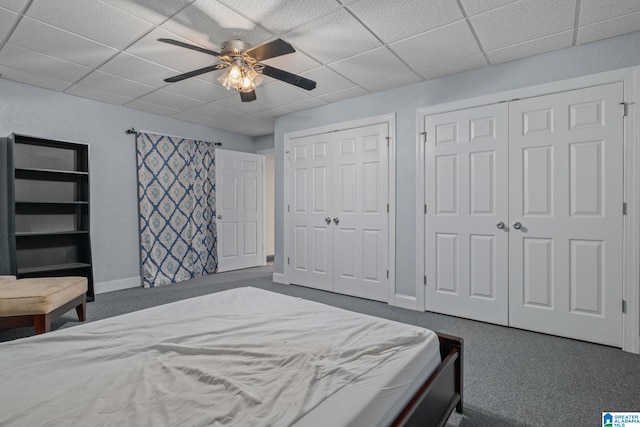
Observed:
{"x":176,"y":193}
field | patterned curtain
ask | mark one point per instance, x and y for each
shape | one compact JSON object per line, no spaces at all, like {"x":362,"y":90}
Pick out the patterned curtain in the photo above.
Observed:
{"x":176,"y":193}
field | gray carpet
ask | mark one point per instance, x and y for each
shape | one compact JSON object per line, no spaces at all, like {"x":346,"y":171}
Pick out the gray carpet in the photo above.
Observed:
{"x":512,"y":377}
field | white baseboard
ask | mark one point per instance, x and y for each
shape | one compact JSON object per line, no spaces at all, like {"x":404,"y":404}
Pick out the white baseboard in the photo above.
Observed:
{"x":405,"y":301}
{"x":117,"y":285}
{"x":279,"y":278}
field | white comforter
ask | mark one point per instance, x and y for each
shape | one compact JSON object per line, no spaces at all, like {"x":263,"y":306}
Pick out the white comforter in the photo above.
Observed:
{"x":242,"y":357}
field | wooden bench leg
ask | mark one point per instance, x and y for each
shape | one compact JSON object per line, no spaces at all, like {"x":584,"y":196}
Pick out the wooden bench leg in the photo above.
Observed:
{"x":81,"y":309}
{"x":42,"y":323}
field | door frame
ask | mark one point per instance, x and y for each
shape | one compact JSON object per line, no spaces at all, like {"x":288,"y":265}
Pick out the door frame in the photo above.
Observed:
{"x":630,"y":77}
{"x":390,"y":120}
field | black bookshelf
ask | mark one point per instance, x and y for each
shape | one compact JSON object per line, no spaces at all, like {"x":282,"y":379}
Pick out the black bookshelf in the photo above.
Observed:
{"x":48,"y":209}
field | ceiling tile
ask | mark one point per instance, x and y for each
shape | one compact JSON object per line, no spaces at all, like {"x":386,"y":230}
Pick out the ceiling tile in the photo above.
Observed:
{"x":263,"y":130}
{"x":151,"y":108}
{"x":52,"y":41}
{"x":170,"y":100}
{"x":279,"y":16}
{"x":598,"y":10}
{"x":210,"y":23}
{"x":444,"y":44}
{"x":7,"y":18}
{"x":272,"y":112}
{"x":305,"y":105}
{"x":609,"y":28}
{"x":154,"y":11}
{"x":198,"y":89}
{"x":473,"y":7}
{"x":32,"y":79}
{"x":296,"y":62}
{"x":193,"y":118}
{"x":137,"y":69}
{"x":377,"y":64}
{"x":532,"y":47}
{"x":352,"y":92}
{"x":333,"y":37}
{"x":15,"y":5}
{"x":235,"y":103}
{"x":98,"y":95}
{"x":453,"y":67}
{"x":417,"y":16}
{"x":392,"y":82}
{"x":214,"y":112}
{"x":94,"y":20}
{"x":170,"y":56}
{"x":114,"y":84}
{"x":281,"y":93}
{"x":37,"y":63}
{"x":327,"y":81}
{"x":522,"y":21}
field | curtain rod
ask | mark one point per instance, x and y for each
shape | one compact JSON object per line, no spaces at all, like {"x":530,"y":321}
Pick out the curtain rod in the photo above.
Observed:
{"x":132,"y":131}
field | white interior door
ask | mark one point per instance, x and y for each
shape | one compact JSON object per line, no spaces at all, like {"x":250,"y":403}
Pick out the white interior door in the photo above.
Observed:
{"x":310,"y":208}
{"x":466,"y":193}
{"x":360,"y":224}
{"x":566,"y":194}
{"x":337,"y":212}
{"x":239,"y":209}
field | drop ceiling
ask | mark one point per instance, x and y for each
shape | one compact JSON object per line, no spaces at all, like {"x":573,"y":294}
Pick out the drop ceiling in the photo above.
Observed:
{"x":107,"y":50}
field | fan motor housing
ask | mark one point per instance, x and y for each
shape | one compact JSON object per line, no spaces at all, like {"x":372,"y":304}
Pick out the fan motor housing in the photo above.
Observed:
{"x":234,"y":47}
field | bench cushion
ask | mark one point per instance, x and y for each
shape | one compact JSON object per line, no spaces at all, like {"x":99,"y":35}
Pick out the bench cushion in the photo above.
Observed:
{"x":38,"y":295}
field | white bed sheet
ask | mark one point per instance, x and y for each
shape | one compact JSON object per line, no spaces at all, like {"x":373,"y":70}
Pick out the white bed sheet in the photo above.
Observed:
{"x":239,"y":357}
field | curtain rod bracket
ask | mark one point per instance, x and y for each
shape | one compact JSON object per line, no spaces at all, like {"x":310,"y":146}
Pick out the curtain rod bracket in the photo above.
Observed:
{"x":130,"y":131}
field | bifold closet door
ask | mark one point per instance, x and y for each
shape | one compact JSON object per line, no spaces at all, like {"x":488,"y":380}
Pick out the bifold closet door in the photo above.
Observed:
{"x":466,"y":192}
{"x":337,"y":212}
{"x":565,"y":206}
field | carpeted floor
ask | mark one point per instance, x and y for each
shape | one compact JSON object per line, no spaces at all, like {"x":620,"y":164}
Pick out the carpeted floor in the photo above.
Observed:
{"x":512,"y":377}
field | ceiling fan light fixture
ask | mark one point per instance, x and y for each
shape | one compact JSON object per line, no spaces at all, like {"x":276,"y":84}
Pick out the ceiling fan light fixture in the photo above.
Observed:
{"x":241,"y":77}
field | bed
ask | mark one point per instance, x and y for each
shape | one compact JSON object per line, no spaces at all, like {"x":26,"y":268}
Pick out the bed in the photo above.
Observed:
{"x":244,"y":356}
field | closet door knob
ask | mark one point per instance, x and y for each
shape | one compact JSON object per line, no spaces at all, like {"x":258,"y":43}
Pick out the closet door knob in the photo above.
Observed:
{"x":219,"y":216}
{"x":500,"y":225}
{"x":336,"y":220}
{"x":328,"y":220}
{"x":517,"y":225}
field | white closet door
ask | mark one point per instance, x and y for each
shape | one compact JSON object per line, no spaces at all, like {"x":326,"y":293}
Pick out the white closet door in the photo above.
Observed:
{"x":310,"y":212}
{"x":466,"y":186}
{"x":360,"y":225}
{"x":565,"y":205}
{"x":239,"y":208}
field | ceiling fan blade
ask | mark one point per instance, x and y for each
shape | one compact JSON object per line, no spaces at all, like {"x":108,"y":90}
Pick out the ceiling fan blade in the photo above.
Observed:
{"x":194,"y":73}
{"x":286,"y":76}
{"x":248,"y":96}
{"x":277,"y":47}
{"x":190,"y":46}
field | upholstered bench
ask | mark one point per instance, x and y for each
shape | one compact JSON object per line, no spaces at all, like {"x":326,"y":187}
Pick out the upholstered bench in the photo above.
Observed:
{"x":34,"y":302}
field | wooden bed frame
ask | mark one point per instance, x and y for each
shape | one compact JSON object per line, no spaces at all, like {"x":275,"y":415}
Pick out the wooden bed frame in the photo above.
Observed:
{"x":440,"y":393}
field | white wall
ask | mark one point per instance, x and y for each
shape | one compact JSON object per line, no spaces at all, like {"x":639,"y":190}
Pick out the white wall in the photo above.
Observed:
{"x":40,"y":112}
{"x":604,"y":55}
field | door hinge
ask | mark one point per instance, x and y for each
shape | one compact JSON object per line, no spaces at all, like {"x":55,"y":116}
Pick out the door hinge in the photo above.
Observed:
{"x":425,"y":280}
{"x":624,"y":306}
{"x":288,"y":207}
{"x":626,"y":107}
{"x":425,"y":209}
{"x":387,"y":207}
{"x":424,"y":134}
{"x":387,"y":274}
{"x":624,"y":208}
{"x":388,"y":138}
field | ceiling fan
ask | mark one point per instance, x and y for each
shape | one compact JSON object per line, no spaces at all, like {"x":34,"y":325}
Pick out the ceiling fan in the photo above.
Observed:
{"x":244,"y":70}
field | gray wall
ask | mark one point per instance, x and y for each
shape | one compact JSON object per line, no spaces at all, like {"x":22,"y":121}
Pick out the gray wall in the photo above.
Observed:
{"x":609,"y":54}
{"x":40,"y":112}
